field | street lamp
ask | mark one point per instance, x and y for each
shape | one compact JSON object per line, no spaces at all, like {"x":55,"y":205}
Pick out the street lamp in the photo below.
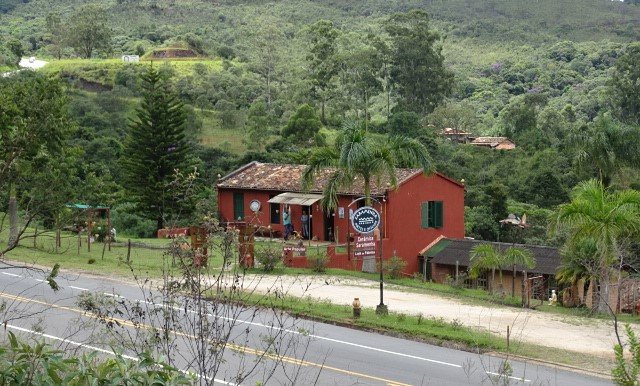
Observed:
{"x":381,"y":309}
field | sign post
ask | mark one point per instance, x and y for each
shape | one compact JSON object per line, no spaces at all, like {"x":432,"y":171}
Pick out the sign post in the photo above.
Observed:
{"x":366,"y":220}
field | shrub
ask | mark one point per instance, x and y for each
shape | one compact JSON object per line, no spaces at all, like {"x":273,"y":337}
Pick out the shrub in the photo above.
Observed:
{"x":394,"y":267}
{"x":318,"y":263}
{"x":40,"y":364}
{"x":626,"y":371}
{"x":268,"y":259}
{"x":128,"y":223}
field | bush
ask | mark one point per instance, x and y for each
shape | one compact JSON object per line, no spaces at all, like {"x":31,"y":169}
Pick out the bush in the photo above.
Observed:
{"x":318,"y":263}
{"x":128,"y":223}
{"x":626,"y":371}
{"x":268,"y":259}
{"x":394,"y":267}
{"x":22,"y":363}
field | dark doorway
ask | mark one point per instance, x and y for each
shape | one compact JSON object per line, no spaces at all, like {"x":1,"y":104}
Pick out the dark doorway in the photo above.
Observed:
{"x":329,"y":226}
{"x":309,"y":231}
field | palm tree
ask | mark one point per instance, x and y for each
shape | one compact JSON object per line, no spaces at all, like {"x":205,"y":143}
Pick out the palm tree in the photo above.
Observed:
{"x":358,"y":153}
{"x":607,"y":218}
{"x":606,"y":146}
{"x":579,"y":262}
{"x":486,"y":256}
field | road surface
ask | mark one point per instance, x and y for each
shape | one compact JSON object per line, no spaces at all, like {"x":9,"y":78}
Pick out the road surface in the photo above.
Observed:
{"x":313,"y":353}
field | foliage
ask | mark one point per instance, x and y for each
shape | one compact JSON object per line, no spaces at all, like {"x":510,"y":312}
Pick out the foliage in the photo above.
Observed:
{"x":394,"y":266}
{"x":606,"y":146}
{"x":489,"y":257}
{"x":605,"y":218}
{"x":357,"y":153}
{"x":88,"y":30}
{"x":303,"y":127}
{"x":318,"y":263}
{"x":418,"y":72}
{"x":39,"y":364}
{"x":405,"y":123}
{"x":268,"y":259}
{"x":322,"y":38}
{"x":624,"y":85}
{"x":36,"y":170}
{"x":155,"y":148}
{"x":626,"y":372}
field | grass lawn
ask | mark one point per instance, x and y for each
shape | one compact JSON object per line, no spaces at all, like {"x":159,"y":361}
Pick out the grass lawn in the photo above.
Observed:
{"x":215,"y":136}
{"x":145,"y":261}
{"x":104,"y":70}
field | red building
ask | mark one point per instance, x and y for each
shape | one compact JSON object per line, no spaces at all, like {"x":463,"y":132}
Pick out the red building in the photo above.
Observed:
{"x":415,"y":214}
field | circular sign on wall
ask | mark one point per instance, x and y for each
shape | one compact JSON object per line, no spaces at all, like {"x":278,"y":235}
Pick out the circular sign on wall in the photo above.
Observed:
{"x":365,"y":219}
{"x":254,"y":205}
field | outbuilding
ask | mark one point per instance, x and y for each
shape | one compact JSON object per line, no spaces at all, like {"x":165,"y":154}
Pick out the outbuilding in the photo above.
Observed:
{"x":419,"y":210}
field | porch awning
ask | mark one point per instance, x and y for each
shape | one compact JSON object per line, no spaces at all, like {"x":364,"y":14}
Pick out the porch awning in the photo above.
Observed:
{"x":290,"y":198}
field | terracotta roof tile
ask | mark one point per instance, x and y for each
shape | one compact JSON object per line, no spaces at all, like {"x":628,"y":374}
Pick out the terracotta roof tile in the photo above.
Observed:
{"x":286,"y":177}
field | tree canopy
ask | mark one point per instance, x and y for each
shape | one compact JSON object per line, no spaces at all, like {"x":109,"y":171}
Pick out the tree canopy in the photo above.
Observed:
{"x":155,"y":148}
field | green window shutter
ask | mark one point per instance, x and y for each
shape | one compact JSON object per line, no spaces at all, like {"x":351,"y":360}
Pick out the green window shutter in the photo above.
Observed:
{"x":238,"y":206}
{"x":432,"y":215}
{"x":424,"y":214}
{"x":438,"y":215}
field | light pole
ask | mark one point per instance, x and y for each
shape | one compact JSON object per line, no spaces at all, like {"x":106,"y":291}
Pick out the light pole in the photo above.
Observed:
{"x":381,"y":309}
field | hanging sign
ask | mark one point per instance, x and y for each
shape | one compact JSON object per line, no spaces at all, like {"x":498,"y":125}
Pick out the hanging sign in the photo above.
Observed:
{"x":365,"y":219}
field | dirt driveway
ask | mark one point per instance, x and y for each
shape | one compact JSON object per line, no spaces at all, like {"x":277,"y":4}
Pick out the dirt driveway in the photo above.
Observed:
{"x":565,"y":332}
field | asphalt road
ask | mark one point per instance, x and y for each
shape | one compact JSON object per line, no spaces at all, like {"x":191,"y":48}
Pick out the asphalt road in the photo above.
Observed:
{"x":308,"y":353}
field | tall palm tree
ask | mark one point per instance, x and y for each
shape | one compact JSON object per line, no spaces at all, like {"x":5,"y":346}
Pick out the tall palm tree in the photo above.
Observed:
{"x":358,"y":153}
{"x":607,"y":218}
{"x":606,"y":145}
{"x":488,"y":257}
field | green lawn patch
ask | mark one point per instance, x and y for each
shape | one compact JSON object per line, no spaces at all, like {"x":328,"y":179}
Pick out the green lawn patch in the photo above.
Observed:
{"x":103,"y":70}
{"x":148,"y":257}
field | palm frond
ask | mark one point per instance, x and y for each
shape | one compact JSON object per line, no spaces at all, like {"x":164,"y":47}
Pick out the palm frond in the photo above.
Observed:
{"x":320,"y":159}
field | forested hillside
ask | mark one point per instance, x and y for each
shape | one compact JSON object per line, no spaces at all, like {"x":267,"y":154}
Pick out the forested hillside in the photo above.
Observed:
{"x":271,"y":80}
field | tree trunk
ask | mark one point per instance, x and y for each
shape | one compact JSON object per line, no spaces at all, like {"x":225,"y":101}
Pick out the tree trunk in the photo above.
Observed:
{"x":269,"y":90}
{"x":324,"y":121}
{"x":603,"y":297}
{"x":160,"y":224}
{"x":13,"y":220}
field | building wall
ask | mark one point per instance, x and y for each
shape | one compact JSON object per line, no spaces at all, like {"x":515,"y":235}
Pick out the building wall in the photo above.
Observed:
{"x":404,"y":222}
{"x":401,"y":225}
{"x":263,"y":217}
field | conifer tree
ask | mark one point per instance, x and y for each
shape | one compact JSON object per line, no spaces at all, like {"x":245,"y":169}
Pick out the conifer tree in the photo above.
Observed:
{"x":155,"y":148}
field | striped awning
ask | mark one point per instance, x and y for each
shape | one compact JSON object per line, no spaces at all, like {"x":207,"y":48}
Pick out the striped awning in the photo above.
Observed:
{"x":290,"y":198}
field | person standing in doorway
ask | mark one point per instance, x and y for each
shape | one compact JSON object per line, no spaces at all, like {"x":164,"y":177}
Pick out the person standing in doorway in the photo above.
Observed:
{"x":286,"y":220}
{"x":305,"y":224}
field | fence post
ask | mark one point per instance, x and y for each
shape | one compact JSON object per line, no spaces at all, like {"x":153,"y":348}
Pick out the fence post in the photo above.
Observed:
{"x":128,"y":250}
{"x":35,"y":235}
{"x":104,"y":247}
{"x":79,"y":242}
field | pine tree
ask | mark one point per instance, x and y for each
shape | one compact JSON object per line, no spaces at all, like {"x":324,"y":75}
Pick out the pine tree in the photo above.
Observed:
{"x":155,"y":147}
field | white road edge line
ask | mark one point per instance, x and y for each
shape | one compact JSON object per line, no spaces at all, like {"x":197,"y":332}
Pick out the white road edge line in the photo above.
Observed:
{"x":52,"y":337}
{"x":78,"y":288}
{"x":510,"y":377}
{"x":309,"y":335}
{"x":40,"y":280}
{"x":10,"y":274}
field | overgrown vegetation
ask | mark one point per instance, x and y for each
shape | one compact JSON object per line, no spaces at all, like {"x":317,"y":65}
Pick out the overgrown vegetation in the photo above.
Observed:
{"x":39,"y":363}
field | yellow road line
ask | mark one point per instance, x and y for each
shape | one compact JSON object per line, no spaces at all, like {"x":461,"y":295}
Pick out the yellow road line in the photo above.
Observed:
{"x":232,"y":346}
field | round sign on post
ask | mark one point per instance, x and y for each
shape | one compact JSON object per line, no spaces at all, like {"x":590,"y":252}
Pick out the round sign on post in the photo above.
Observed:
{"x":365,"y":219}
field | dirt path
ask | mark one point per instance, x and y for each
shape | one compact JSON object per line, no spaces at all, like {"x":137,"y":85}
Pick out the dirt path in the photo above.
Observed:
{"x":564,"y":332}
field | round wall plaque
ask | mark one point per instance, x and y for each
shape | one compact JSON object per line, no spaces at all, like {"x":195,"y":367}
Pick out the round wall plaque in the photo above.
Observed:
{"x":254,"y":205}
